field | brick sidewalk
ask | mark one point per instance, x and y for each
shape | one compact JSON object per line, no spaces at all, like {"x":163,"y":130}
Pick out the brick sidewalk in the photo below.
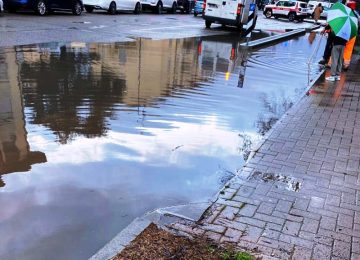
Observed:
{"x":299,"y":197}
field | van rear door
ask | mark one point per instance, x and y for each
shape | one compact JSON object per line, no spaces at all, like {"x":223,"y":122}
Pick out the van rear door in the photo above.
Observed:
{"x":225,"y":9}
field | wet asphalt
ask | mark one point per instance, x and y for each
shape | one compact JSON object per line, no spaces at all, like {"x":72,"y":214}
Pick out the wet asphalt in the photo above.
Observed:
{"x":27,"y":28}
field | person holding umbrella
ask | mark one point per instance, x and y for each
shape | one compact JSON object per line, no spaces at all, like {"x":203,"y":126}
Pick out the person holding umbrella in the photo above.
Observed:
{"x":344,"y":26}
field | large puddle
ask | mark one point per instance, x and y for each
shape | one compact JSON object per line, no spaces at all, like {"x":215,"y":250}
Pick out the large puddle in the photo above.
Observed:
{"x":94,"y":135}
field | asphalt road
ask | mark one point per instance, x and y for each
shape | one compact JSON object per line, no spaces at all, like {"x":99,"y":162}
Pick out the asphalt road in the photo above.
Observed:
{"x":27,"y":28}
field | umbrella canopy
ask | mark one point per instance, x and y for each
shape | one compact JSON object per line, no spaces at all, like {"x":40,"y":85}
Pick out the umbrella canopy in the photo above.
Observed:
{"x":342,"y":21}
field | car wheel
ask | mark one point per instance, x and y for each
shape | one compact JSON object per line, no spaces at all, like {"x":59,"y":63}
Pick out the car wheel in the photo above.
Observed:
{"x":207,"y":24}
{"x":137,"y":9}
{"x":268,"y":13}
{"x":77,"y":8}
{"x":159,"y":8}
{"x":41,"y":8}
{"x":89,"y":9}
{"x":112,"y":8}
{"x":195,"y":14}
{"x":292,"y":17}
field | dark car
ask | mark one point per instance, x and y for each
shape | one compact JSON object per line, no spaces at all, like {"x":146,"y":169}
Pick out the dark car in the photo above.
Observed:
{"x":42,"y":7}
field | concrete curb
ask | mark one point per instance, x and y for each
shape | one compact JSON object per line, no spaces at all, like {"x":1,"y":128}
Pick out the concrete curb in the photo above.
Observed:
{"x":277,"y":38}
{"x":118,"y":243}
{"x":273,"y":39}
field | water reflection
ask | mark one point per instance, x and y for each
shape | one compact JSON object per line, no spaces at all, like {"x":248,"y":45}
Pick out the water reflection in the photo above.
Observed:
{"x":15,"y":154}
{"x":130,"y":127}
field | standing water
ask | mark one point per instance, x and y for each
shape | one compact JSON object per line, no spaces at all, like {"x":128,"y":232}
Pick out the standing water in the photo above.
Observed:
{"x":94,"y":135}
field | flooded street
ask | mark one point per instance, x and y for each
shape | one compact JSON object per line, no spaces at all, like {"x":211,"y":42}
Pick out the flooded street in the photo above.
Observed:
{"x":95,"y":135}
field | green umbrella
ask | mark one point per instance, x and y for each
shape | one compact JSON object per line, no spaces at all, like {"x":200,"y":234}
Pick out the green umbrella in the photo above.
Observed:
{"x":342,"y":21}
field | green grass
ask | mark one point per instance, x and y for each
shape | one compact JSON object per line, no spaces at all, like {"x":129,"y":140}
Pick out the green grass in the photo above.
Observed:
{"x":227,"y":255}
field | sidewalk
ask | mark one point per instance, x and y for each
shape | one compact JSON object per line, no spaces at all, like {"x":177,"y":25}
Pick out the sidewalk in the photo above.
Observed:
{"x":299,"y":196}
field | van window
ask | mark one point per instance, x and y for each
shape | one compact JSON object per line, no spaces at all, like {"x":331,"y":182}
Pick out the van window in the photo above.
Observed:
{"x":303,"y":5}
{"x":280,"y":3}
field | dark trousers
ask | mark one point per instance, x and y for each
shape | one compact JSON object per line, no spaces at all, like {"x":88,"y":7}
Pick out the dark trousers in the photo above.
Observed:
{"x":328,"y":47}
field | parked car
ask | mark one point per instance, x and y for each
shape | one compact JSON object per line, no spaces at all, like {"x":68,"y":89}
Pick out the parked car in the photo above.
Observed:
{"x":293,"y":10}
{"x":1,"y":6}
{"x":199,"y":7}
{"x":42,"y":7}
{"x":112,"y":6}
{"x":239,"y":13}
{"x":158,"y":6}
{"x":313,"y":4}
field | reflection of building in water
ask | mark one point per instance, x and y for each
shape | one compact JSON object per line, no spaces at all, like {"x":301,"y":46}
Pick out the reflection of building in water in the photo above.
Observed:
{"x":75,"y":92}
{"x":15,"y":154}
{"x":150,"y":68}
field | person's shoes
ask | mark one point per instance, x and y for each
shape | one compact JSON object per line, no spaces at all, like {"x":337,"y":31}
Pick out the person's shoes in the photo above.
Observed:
{"x":331,"y":78}
{"x":322,"y":62}
{"x":337,"y":77}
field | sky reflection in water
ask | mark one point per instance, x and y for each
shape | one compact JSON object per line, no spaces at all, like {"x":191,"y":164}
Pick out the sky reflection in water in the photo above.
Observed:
{"x":94,"y":135}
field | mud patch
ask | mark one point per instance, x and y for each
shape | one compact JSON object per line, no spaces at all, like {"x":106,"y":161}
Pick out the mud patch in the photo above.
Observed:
{"x":289,"y":183}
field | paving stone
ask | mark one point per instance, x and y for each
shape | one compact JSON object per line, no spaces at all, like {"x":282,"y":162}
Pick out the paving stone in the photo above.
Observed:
{"x":271,"y":219}
{"x":266,"y":208}
{"x":341,"y":249}
{"x":213,"y":236}
{"x":232,"y":235}
{"x":251,"y":221}
{"x":229,"y":212}
{"x":310,"y":225}
{"x":301,"y":253}
{"x":252,"y":234}
{"x":284,"y":206}
{"x":317,"y":202}
{"x":291,"y":228}
{"x":213,"y":228}
{"x":328,"y":223}
{"x":296,"y":241}
{"x":248,"y":210}
{"x":345,"y":221}
{"x":322,"y":252}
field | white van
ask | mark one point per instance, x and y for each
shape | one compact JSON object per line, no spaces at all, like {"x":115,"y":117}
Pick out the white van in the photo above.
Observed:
{"x":239,"y":13}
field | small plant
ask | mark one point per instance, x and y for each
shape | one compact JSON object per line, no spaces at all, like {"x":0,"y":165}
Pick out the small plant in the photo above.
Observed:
{"x":230,"y":255}
{"x":243,"y":256}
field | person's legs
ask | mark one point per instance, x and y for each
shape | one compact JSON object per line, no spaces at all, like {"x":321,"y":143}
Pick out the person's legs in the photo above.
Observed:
{"x":335,"y":60}
{"x":327,"y":51}
{"x":334,"y":63}
{"x":340,"y":50}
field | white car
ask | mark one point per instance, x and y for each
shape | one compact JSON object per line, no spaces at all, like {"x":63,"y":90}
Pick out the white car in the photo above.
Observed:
{"x":157,"y":6}
{"x":1,"y":6}
{"x":112,"y":6}
{"x":313,"y":4}
{"x":293,"y":10}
